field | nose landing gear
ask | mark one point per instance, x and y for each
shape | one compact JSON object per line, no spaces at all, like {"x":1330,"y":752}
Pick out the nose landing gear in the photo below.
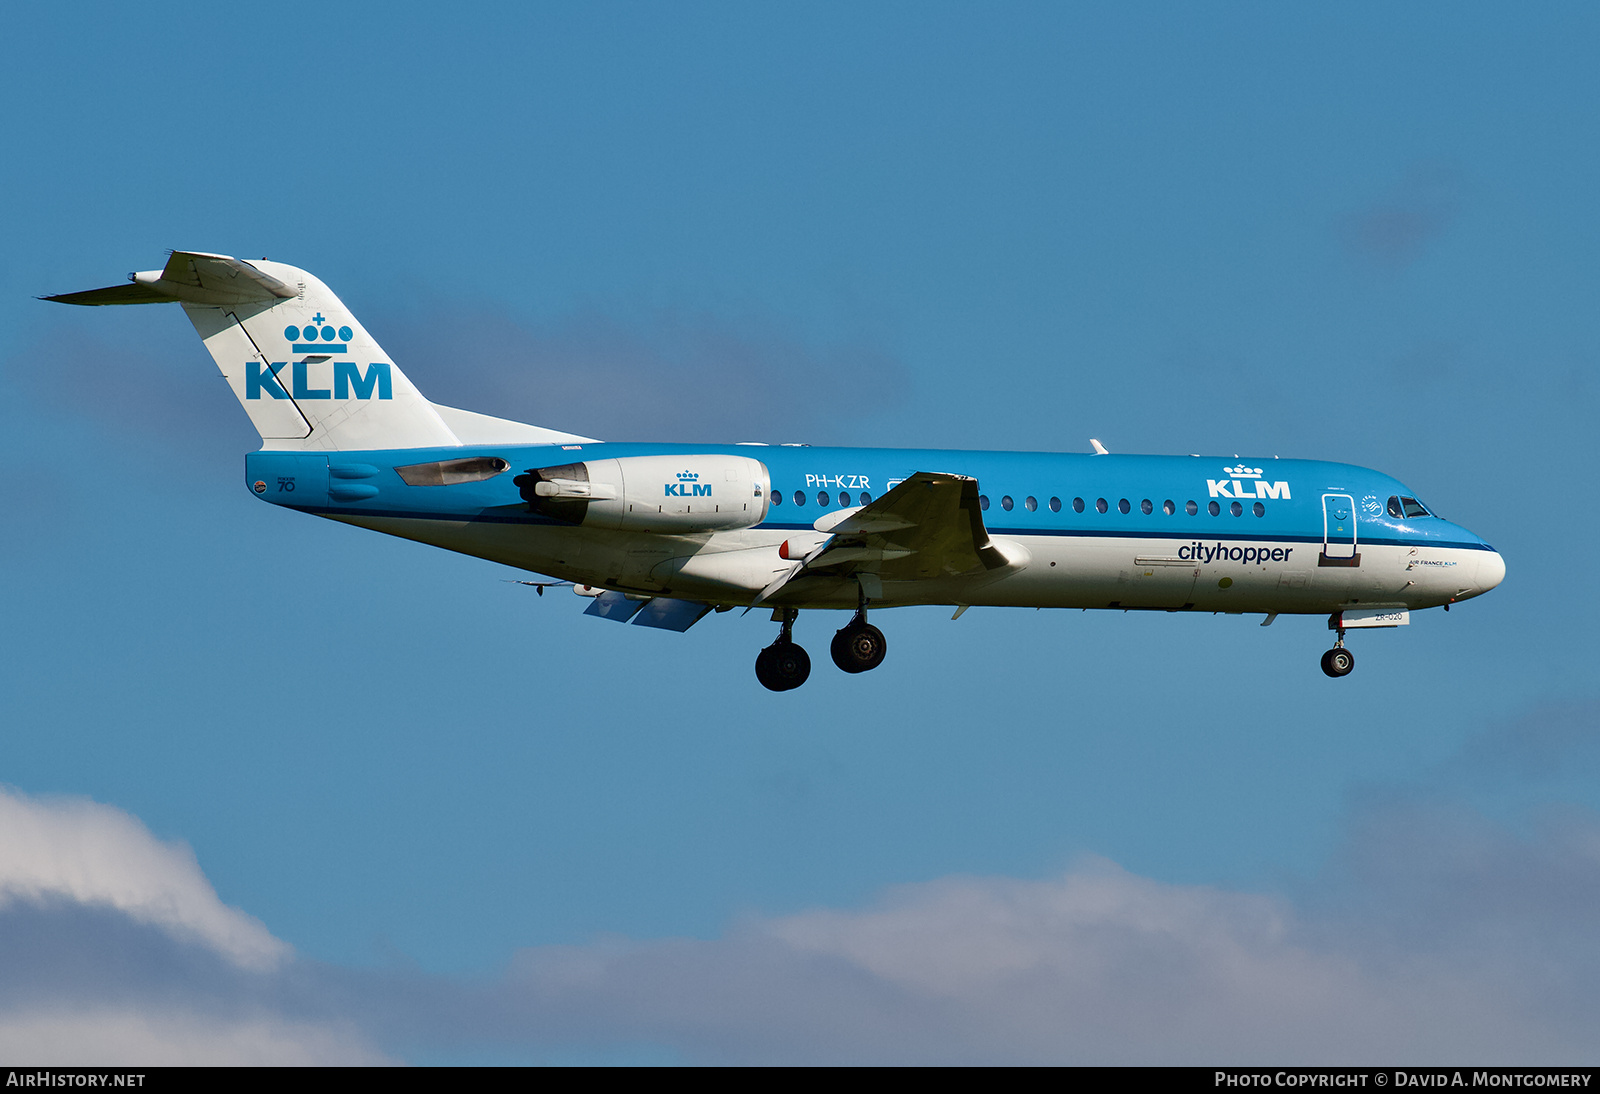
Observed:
{"x":1338,"y":661}
{"x":784,"y":665}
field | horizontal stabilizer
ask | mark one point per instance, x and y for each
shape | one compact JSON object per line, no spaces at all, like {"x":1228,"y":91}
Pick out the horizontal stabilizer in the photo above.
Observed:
{"x":192,"y":277}
{"x":130,"y":293}
{"x":219,"y":276}
{"x":306,"y":371}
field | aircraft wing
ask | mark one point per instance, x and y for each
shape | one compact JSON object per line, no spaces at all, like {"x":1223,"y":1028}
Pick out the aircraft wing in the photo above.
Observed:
{"x":929,"y":526}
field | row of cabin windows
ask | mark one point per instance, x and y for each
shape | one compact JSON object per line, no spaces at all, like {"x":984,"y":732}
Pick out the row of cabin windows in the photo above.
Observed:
{"x":846,"y":499}
{"x":1031,"y":504}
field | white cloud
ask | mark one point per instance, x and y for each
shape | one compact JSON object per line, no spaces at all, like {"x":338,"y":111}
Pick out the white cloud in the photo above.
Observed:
{"x":1432,"y":957}
{"x":115,"y":950}
{"x":1435,"y":936}
{"x":153,"y":1037}
{"x":82,"y":852}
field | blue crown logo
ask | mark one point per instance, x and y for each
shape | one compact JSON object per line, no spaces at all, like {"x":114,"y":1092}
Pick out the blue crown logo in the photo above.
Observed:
{"x":316,"y":337}
{"x":688,"y":476}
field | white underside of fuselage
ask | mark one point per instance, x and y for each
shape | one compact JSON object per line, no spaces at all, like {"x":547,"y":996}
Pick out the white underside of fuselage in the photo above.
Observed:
{"x":1056,"y":571}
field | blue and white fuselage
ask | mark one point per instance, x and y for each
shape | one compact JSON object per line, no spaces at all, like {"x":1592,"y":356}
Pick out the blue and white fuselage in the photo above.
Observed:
{"x":1079,"y":531}
{"x":665,"y":533}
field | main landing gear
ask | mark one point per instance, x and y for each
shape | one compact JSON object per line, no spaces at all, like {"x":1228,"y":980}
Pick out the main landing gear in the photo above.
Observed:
{"x":1338,"y":661}
{"x":857,"y":647}
{"x":784,"y":665}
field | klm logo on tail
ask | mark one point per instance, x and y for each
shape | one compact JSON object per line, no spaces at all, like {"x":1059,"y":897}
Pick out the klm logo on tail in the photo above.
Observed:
{"x":319,"y":339}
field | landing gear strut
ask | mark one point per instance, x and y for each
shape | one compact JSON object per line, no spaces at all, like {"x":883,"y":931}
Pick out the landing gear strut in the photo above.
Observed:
{"x":784,"y":665}
{"x":1338,"y":661}
{"x":858,"y":646}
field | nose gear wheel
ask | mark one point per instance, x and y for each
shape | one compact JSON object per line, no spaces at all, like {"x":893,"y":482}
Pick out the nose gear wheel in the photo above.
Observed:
{"x":1338,"y":662}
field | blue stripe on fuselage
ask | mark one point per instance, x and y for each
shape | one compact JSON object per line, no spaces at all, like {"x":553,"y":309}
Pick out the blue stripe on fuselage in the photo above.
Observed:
{"x":1180,"y":479}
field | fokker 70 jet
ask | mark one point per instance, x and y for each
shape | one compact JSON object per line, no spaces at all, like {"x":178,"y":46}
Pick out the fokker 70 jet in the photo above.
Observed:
{"x":663,"y":534}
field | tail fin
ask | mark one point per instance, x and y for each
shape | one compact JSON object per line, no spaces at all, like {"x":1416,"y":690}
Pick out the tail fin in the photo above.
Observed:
{"x":304,"y":369}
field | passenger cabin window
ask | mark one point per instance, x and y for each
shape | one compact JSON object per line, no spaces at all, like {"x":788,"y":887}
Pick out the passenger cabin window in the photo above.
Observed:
{"x":1145,"y":507}
{"x":1100,"y":505}
{"x":1213,"y":508}
{"x":1055,"y":505}
{"x":777,"y":497}
{"x":983,"y":502}
{"x":1006,"y":503}
{"x":1077,"y":505}
{"x":1030,"y":503}
{"x":1168,"y":507}
{"x":1191,"y":507}
{"x":822,"y":498}
{"x":799,"y":497}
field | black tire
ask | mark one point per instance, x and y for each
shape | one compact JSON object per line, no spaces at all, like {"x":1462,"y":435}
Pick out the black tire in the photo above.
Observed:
{"x":764,"y":671}
{"x":783,"y":666}
{"x":859,"y":647}
{"x":1338,"y":662}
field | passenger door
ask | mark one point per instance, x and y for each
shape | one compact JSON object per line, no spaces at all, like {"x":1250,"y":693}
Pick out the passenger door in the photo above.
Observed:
{"x":1339,"y":531}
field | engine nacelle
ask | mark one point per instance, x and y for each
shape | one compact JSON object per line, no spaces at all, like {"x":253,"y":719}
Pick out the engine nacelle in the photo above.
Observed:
{"x":652,"y":493}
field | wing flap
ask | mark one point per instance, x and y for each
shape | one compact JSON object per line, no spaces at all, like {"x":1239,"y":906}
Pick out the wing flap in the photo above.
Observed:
{"x":617,"y":606}
{"x":668,"y":614}
{"x":662,"y":612}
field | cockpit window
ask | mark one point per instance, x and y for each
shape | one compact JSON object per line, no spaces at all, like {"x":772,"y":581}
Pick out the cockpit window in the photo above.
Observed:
{"x":1394,"y":507}
{"x":1414,"y":508}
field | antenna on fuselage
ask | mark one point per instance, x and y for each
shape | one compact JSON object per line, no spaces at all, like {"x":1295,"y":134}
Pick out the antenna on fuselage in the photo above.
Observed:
{"x":1099,"y":449}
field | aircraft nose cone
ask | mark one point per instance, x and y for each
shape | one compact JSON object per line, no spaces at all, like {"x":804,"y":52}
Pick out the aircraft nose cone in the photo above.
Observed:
{"x":1491,"y":571}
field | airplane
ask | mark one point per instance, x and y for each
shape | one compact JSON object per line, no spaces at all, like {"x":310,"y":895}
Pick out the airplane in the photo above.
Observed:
{"x":664,"y":534}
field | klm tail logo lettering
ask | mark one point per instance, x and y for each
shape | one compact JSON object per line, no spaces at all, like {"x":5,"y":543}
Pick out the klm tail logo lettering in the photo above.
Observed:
{"x":319,"y":341}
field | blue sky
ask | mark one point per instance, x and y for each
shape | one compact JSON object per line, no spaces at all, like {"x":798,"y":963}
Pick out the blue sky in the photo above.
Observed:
{"x":306,"y":793}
